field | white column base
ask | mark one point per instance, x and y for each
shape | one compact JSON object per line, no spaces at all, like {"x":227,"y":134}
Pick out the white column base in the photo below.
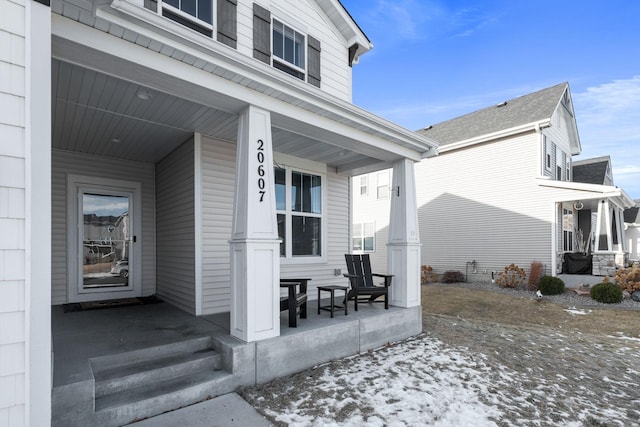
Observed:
{"x":404,"y":264}
{"x":255,"y":292}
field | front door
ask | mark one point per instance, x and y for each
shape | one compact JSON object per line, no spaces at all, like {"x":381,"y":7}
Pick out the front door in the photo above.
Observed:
{"x":103,"y":252}
{"x":106,"y":235}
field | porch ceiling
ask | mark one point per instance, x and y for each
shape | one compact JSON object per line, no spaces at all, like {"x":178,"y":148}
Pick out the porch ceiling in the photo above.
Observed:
{"x":100,"y":114}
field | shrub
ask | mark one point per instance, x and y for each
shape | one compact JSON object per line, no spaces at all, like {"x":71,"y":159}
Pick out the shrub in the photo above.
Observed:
{"x":452,"y":276}
{"x":427,"y":274}
{"x":608,"y":293}
{"x":535,"y":273}
{"x":628,"y":279}
{"x":512,"y":277}
{"x":551,"y":285}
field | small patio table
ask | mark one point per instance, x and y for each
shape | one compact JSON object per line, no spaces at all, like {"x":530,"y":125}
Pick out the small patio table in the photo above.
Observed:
{"x":332,"y":306}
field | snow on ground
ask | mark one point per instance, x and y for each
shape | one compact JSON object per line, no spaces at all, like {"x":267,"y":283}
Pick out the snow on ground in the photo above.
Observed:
{"x":541,"y":379}
{"x":574,"y":310}
{"x":419,"y":382}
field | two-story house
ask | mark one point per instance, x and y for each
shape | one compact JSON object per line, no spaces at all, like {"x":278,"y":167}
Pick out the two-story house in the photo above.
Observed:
{"x":503,"y":190}
{"x":222,"y":131}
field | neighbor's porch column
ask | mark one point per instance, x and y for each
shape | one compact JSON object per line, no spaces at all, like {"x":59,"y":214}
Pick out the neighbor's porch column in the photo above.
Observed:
{"x":255,"y":247}
{"x":404,"y":238}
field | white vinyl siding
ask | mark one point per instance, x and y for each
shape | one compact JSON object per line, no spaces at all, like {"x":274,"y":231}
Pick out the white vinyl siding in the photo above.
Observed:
{"x":176,"y":228}
{"x":67,"y":162}
{"x":218,"y":180}
{"x":335,"y":70}
{"x":494,"y":213}
{"x":218,"y":162}
{"x":338,"y":244}
{"x":368,"y":208}
{"x":13,"y":217}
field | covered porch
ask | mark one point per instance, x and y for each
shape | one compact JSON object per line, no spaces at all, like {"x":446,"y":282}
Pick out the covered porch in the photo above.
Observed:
{"x":589,"y":236}
{"x":228,"y":176}
{"x":116,"y":365}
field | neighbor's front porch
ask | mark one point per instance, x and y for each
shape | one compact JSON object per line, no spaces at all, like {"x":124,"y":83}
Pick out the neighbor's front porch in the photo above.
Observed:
{"x":116,"y":365}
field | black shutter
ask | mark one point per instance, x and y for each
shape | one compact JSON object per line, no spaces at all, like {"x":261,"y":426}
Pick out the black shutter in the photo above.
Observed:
{"x":227,"y":22}
{"x":261,"y":34}
{"x":313,"y":61}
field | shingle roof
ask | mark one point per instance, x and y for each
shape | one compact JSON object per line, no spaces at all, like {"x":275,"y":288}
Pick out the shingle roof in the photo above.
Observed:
{"x":591,"y":171}
{"x":529,"y":108}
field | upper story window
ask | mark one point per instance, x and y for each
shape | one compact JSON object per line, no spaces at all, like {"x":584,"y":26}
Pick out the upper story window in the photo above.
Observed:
{"x":288,"y":45}
{"x":276,"y":42}
{"x":364,"y":185}
{"x":196,"y":10}
{"x":208,"y":17}
{"x":383,"y":185}
{"x":299,"y":206}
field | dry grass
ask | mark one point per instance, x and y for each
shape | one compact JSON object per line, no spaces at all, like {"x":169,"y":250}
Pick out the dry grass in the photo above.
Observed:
{"x":516,"y":310}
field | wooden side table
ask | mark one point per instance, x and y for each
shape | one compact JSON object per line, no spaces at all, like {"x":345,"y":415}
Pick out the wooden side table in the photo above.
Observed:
{"x":332,"y":306}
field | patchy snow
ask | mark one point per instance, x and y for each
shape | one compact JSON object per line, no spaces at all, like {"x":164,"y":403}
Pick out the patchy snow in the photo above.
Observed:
{"x":574,"y":310}
{"x":423,"y":381}
{"x":417,"y":383}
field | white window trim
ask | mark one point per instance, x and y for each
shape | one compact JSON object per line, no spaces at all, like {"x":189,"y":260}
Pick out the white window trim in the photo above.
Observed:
{"x":290,"y":163}
{"x":389,"y":185}
{"x":366,"y":186}
{"x":362,"y":236}
{"x":283,"y":61}
{"x":548,"y":150}
{"x":162,"y":5}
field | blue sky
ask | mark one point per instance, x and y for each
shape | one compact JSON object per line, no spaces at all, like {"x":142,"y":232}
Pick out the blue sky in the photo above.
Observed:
{"x":434,"y":60}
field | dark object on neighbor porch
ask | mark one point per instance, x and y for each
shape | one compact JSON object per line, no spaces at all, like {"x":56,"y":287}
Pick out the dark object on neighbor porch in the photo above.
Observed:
{"x":113,"y":303}
{"x":577,"y":264}
{"x":332,"y":306}
{"x":361,"y":278}
{"x":295,"y":301}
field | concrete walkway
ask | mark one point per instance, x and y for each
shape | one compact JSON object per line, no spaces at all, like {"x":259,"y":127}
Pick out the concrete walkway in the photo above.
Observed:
{"x":229,"y":410}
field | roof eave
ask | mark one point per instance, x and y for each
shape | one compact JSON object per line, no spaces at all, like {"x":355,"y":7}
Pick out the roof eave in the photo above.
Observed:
{"x":533,"y":126}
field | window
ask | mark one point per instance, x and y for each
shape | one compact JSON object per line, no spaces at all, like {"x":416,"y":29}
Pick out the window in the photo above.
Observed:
{"x":568,"y":169}
{"x":383,"y":185}
{"x":567,"y":230}
{"x":286,"y":48}
{"x":190,"y":12}
{"x":364,"y":185}
{"x":364,"y":237}
{"x":299,"y":213}
{"x":549,"y":150}
{"x":288,"y":44}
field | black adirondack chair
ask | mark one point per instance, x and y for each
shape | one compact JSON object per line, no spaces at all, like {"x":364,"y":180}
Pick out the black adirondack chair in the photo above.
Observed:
{"x":296,"y":299}
{"x":361,"y":278}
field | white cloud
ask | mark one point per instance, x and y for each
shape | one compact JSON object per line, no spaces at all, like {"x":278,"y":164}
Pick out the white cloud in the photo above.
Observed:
{"x":608,"y":118}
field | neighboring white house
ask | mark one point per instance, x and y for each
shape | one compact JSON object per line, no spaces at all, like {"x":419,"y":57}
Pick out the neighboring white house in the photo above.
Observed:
{"x":502,"y":191}
{"x":204,"y":123}
{"x":632,"y":231}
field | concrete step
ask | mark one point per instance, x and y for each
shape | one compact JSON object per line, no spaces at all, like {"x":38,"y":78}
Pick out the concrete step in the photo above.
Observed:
{"x":118,"y":378}
{"x":143,"y":383}
{"x":160,"y":396}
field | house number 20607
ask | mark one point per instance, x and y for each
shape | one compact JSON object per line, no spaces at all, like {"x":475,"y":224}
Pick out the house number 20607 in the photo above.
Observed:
{"x":261,"y":173}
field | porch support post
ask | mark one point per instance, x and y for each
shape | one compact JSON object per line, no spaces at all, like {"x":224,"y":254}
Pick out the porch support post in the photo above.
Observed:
{"x":255,"y":247}
{"x":403,"y":255}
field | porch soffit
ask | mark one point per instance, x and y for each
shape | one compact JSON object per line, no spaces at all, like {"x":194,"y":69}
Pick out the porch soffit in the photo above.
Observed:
{"x":343,"y":128}
{"x":573,"y":191}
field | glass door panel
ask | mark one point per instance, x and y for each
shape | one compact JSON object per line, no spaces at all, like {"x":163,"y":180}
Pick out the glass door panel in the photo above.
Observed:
{"x":106,"y":232}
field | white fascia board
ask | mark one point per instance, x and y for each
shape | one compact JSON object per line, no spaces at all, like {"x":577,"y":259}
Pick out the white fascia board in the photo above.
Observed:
{"x":121,"y":11}
{"x":533,"y":126}
{"x":589,"y":192}
{"x":334,"y":8}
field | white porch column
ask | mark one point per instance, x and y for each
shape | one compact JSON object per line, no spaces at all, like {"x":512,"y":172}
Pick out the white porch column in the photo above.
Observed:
{"x":403,"y":255}
{"x":255,"y":247}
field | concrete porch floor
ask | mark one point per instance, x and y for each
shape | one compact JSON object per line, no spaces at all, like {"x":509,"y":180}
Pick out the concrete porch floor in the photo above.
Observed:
{"x":79,"y":337}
